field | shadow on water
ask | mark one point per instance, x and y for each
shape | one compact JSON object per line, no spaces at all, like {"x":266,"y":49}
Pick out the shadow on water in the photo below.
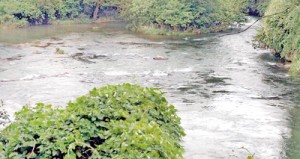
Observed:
{"x":32,"y":33}
{"x":294,"y":142}
{"x":279,"y":78}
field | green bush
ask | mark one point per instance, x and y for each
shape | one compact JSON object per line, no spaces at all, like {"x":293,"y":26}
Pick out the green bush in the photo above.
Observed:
{"x":41,"y":11}
{"x":123,"y":121}
{"x":182,"y":15}
{"x":262,"y":6}
{"x":11,"y":21}
{"x":7,"y":19}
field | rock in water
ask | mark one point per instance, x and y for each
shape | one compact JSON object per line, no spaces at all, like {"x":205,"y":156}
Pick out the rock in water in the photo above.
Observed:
{"x":160,"y":58}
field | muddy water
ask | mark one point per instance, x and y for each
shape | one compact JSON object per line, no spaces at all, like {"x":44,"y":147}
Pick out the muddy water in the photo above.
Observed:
{"x":228,"y":94}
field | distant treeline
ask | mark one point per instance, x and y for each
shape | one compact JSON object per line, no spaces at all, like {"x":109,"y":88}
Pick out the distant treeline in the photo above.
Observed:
{"x":35,"y":12}
{"x":173,"y":15}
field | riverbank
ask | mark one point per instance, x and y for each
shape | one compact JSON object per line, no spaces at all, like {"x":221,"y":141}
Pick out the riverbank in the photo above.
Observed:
{"x":149,"y":30}
{"x":75,"y":21}
{"x":280,"y":32}
{"x":168,"y":17}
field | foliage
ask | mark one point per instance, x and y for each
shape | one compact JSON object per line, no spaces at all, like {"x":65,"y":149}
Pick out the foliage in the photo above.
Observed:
{"x":38,"y":12}
{"x":295,"y":67}
{"x":181,"y":15}
{"x":172,"y":15}
{"x":281,"y":31}
{"x":41,"y":11}
{"x":262,"y":6}
{"x":123,"y":121}
{"x":10,"y":21}
{"x":193,"y":16}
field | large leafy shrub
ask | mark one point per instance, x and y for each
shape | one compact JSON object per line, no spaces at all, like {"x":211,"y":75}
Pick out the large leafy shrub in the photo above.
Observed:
{"x":123,"y":121}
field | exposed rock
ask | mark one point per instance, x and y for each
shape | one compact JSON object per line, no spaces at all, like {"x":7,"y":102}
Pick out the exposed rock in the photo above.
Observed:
{"x":267,"y":97}
{"x":14,"y":58}
{"x":160,"y":58}
{"x":47,"y":43}
{"x":79,"y":56}
{"x":42,"y":45}
{"x":222,"y":92}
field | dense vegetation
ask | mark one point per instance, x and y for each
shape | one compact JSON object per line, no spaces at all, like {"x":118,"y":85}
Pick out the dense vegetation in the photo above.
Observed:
{"x":174,"y":15}
{"x":196,"y":16}
{"x":123,"y":121}
{"x":184,"y":15}
{"x":24,"y":12}
{"x":281,"y":31}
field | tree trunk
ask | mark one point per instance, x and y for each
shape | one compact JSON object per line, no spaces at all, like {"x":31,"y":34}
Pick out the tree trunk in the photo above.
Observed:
{"x":95,"y":15}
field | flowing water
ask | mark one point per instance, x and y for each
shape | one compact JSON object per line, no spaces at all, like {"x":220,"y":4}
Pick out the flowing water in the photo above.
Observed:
{"x":228,"y":94}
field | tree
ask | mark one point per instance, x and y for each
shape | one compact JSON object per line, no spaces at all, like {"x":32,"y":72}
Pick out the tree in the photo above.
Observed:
{"x":96,"y":4}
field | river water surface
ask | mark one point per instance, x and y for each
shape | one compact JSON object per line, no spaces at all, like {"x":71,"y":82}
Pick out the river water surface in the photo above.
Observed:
{"x":228,"y":94}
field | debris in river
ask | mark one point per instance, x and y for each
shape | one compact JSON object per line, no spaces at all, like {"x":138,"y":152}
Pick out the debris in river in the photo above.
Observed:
{"x":216,"y":79}
{"x":81,"y":48}
{"x":59,"y":51}
{"x":160,"y":58}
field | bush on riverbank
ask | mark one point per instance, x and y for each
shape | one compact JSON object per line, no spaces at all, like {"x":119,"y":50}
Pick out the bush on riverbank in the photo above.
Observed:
{"x":40,"y":12}
{"x":123,"y":121}
{"x":184,"y":15}
{"x":281,"y":32}
{"x":9,"y":21}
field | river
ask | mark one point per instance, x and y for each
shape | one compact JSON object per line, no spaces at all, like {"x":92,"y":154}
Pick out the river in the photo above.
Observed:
{"x":228,"y":94}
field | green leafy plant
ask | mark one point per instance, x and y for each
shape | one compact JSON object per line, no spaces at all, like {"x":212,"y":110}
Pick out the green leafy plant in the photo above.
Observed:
{"x":122,"y":121}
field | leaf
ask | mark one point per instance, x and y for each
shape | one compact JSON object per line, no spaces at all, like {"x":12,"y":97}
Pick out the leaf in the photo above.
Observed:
{"x":250,"y":157}
{"x":70,"y":155}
